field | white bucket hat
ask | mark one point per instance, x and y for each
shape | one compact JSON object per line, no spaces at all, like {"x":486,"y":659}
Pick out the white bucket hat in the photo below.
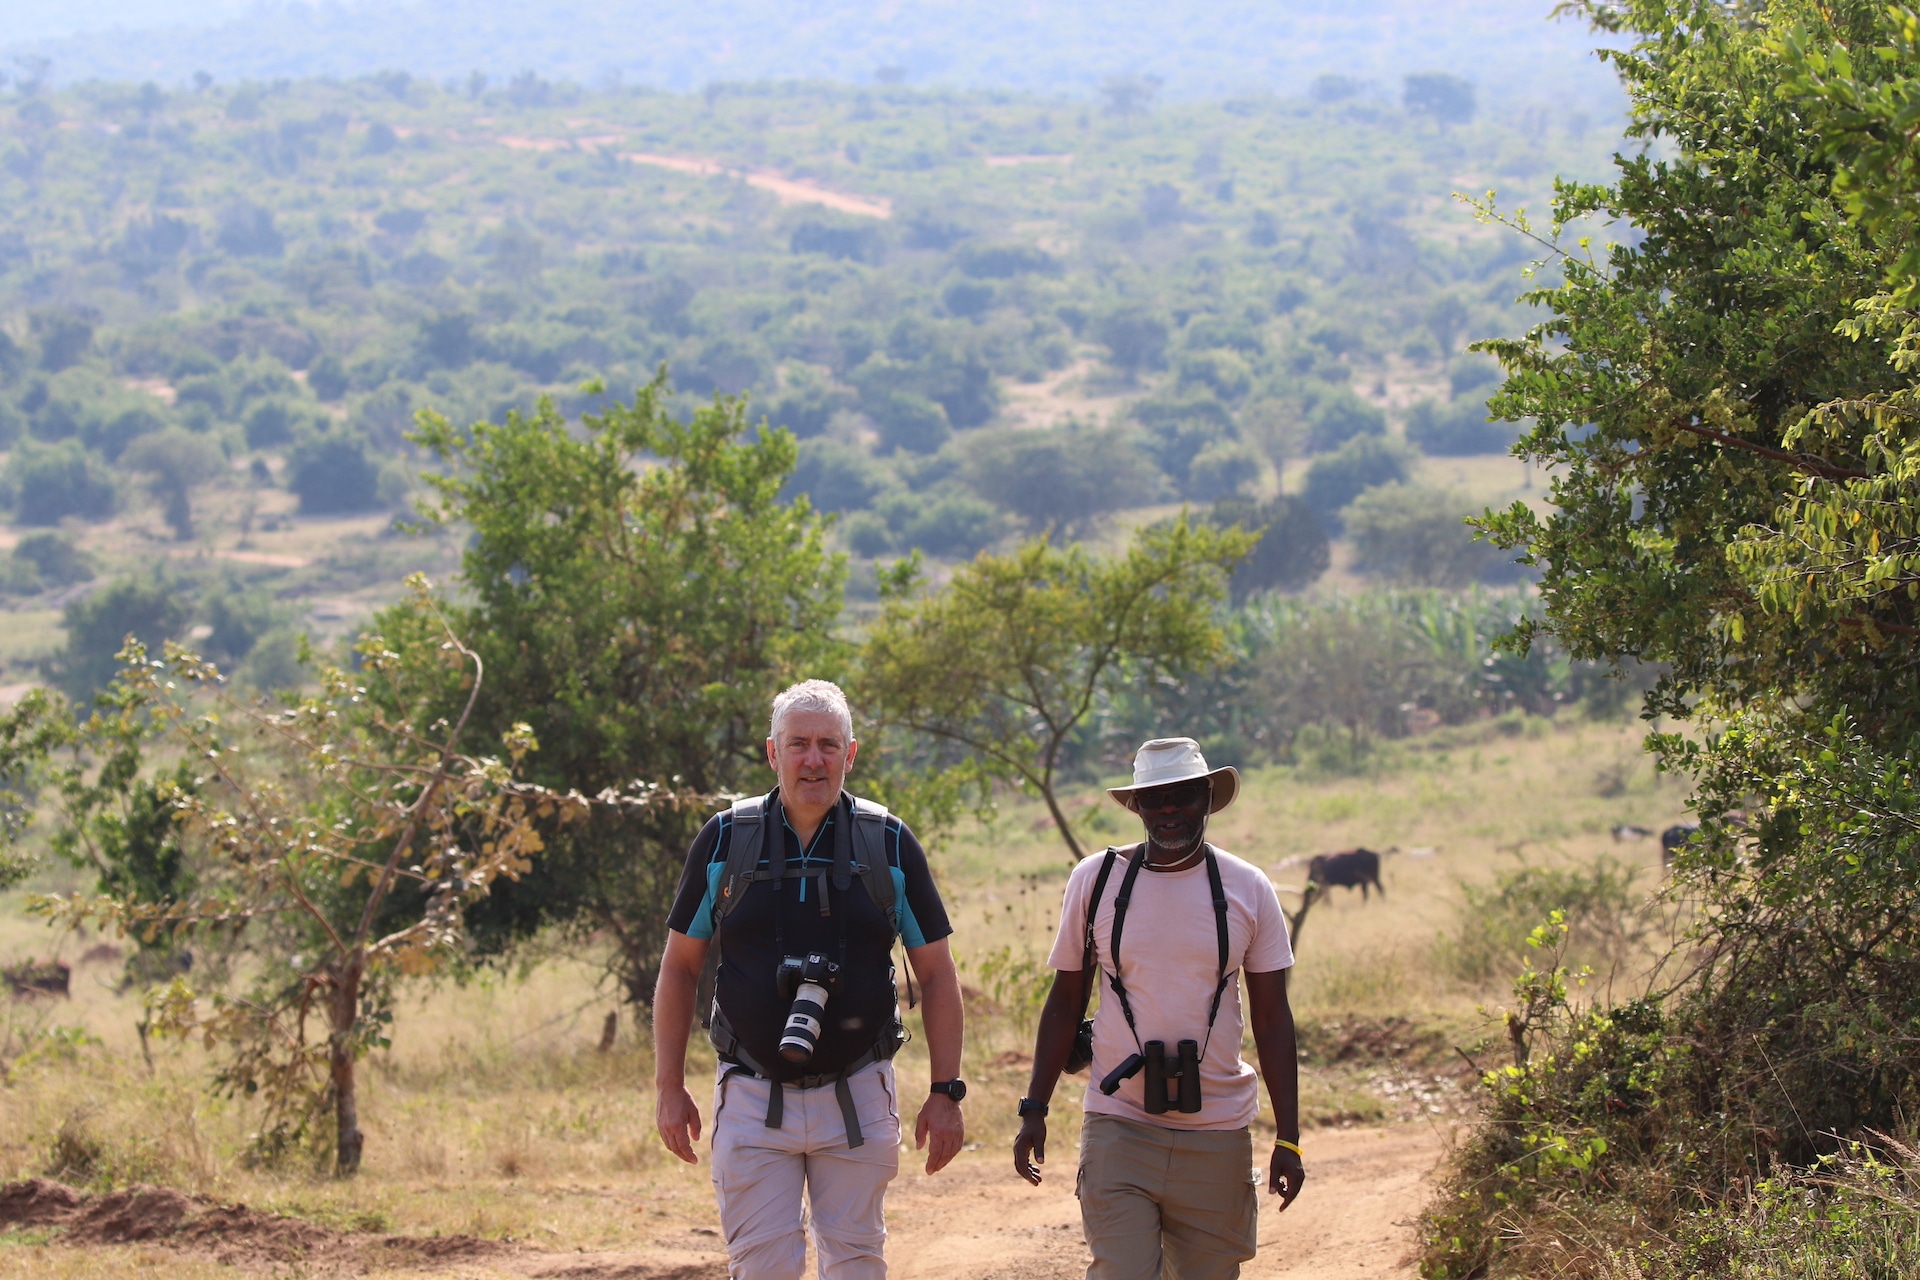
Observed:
{"x":1168,"y":760}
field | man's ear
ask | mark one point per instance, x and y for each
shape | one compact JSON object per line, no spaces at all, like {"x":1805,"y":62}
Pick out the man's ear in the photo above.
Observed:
{"x":853,"y":749}
{"x":773,"y":757}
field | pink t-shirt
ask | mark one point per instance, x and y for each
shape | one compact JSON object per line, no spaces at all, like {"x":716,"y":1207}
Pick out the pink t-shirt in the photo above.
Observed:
{"x":1171,"y":954}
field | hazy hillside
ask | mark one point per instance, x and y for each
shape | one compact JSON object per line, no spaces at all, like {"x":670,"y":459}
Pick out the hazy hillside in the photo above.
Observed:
{"x":220,"y":310}
{"x":1507,"y":46}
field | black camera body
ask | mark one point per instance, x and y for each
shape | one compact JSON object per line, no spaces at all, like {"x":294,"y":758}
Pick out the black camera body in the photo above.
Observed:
{"x":1184,"y":1076}
{"x":808,"y":982}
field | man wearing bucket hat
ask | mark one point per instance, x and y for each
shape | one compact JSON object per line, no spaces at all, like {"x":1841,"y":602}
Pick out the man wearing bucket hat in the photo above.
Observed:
{"x":1166,"y":1156}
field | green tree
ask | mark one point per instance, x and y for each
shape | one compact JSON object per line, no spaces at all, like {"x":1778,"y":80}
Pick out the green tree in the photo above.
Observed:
{"x":1007,"y":661}
{"x":176,"y":462}
{"x":48,"y":483}
{"x":1064,"y":479}
{"x":338,"y":842}
{"x":1292,"y":549}
{"x":149,"y":609}
{"x":1725,"y":403}
{"x":1416,"y":537}
{"x":639,"y":592}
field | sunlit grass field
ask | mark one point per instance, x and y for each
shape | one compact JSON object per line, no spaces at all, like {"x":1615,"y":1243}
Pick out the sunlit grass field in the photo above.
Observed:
{"x":495,"y":1113}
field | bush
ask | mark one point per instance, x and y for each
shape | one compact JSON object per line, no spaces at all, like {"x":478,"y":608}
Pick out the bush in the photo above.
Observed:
{"x":1415,"y":536}
{"x":1340,"y":477}
{"x":150,"y":609}
{"x":53,"y":558}
{"x":1061,"y":479}
{"x":332,"y":475}
{"x":1341,"y":416}
{"x":1223,"y":469}
{"x":1458,"y":429}
{"x":1606,"y":915}
{"x":1177,"y":430}
{"x":1292,"y":550}
{"x":835,"y":477}
{"x":940,"y":522}
{"x":1135,"y":340}
{"x":327,"y":378}
{"x":51,"y":482}
{"x":910,"y":422}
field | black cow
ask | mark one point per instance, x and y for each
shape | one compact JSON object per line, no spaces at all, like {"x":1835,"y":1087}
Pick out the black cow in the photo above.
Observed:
{"x":1674,"y":839}
{"x":1350,"y":868}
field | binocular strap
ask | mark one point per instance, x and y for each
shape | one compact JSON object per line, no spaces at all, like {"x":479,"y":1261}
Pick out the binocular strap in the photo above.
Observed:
{"x":1120,"y":905}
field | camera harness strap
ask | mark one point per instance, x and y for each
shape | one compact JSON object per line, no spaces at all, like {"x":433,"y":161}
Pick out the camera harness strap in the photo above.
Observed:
{"x":751,"y":819}
{"x":1120,"y":905}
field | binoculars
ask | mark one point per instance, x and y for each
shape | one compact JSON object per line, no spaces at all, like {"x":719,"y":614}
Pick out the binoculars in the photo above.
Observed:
{"x":1184,"y":1077}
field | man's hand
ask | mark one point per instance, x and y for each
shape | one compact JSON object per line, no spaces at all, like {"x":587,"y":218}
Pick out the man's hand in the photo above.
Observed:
{"x":1286,"y":1176}
{"x":1030,"y":1148}
{"x":678,"y":1120}
{"x":940,"y":1120}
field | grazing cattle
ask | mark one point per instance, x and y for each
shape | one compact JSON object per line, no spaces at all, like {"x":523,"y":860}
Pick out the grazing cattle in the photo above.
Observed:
{"x":1350,"y":868}
{"x":38,"y":978}
{"x":1675,"y":838}
{"x":1627,"y":831}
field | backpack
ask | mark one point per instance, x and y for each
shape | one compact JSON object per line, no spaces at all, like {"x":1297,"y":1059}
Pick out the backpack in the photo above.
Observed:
{"x":747,"y":846}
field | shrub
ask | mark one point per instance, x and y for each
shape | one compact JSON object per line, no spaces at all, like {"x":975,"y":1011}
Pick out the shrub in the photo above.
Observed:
{"x":1222,"y":470}
{"x":1340,"y":477}
{"x":1292,"y":550}
{"x":1341,"y":416}
{"x":910,"y":422}
{"x":1065,"y":478}
{"x":332,"y":475}
{"x":150,"y":609}
{"x":1415,"y":536}
{"x":834,"y":476}
{"x":51,"y":482}
{"x":1458,"y":429}
{"x":51,"y":559}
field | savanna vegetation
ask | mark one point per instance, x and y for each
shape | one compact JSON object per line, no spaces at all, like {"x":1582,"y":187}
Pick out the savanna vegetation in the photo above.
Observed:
{"x":1724,"y":396}
{"x":1044,"y":425}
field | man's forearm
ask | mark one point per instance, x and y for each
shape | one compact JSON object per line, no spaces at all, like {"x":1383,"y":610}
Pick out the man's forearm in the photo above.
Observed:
{"x":942,"y":1011}
{"x":944,"y":1016}
{"x":1275,"y":1041}
{"x":673,"y":996}
{"x":1059,"y":1023}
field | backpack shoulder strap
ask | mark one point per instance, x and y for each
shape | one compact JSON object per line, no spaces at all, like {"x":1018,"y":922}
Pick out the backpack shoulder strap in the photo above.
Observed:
{"x":747,"y":820}
{"x":870,"y":850}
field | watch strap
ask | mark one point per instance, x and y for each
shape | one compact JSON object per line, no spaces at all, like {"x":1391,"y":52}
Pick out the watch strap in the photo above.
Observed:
{"x":1028,"y":1107}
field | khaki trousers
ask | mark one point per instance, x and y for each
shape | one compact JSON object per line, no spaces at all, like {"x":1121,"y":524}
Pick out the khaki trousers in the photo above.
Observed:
{"x":1163,"y":1204}
{"x":759,"y":1175}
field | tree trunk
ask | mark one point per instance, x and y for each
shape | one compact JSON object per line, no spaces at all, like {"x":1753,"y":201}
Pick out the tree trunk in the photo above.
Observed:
{"x":343,"y":1011}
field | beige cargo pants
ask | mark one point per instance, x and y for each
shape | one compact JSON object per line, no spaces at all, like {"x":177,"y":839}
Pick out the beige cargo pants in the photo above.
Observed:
{"x":1150,"y":1196}
{"x":760,"y":1173}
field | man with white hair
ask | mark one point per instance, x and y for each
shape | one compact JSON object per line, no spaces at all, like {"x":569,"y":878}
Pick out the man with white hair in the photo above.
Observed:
{"x":799,"y":895}
{"x":1166,"y":1153}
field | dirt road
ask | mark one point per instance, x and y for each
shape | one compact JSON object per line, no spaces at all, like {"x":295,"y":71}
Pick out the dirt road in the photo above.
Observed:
{"x":975,"y":1222}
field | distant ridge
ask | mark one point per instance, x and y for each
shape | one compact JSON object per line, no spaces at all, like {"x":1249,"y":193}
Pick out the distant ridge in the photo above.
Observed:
{"x":1509,"y":48}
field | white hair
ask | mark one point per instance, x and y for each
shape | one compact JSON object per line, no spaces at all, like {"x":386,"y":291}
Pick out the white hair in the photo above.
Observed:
{"x":811,"y":695}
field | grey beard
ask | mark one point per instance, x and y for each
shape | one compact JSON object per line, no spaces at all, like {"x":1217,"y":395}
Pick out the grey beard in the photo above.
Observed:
{"x":1184,"y":849}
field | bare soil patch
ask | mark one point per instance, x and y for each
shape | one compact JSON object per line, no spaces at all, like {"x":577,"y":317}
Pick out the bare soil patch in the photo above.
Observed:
{"x":229,"y":1233}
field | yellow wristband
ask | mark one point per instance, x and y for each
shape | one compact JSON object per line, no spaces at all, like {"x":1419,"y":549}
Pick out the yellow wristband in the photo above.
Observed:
{"x":1291,"y":1146}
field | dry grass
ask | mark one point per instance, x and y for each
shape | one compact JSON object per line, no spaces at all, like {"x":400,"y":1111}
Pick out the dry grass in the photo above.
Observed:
{"x":495,"y":1114}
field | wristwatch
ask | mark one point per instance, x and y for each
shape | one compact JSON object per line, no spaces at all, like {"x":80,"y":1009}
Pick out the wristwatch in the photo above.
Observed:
{"x":1028,"y":1107}
{"x":955,"y":1089}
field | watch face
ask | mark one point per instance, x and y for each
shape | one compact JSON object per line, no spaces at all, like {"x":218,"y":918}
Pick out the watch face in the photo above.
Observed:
{"x":955,"y":1089}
